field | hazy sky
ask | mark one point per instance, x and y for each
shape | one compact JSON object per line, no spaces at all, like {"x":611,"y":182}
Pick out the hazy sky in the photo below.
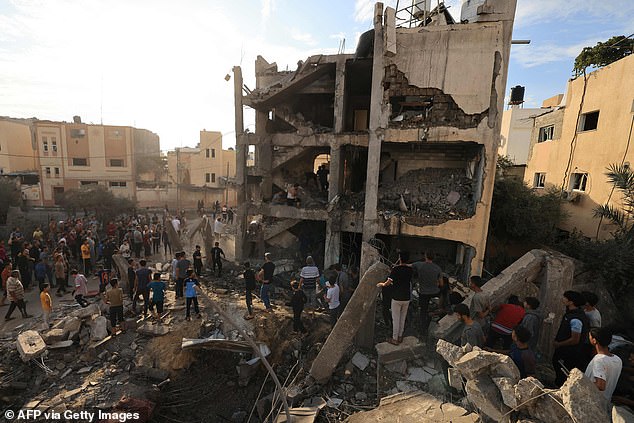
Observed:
{"x":160,"y":65}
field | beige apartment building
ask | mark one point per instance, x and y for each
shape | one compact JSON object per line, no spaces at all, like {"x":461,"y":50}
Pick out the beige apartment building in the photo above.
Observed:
{"x":572,"y":145}
{"x":205,"y":173}
{"x":70,"y":155}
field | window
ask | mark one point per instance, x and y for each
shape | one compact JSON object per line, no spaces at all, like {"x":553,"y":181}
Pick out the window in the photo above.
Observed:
{"x":207,"y":153}
{"x":539,"y":181}
{"x":48,"y":172}
{"x":213,"y":152}
{"x":578,"y":181}
{"x":57,"y":172}
{"x":80,"y":162}
{"x":207,"y":176}
{"x":88,"y":183}
{"x":54,"y":144}
{"x":588,"y":121}
{"x":44,"y":144}
{"x":116,"y":163}
{"x":121,"y":184}
{"x":546,"y":133}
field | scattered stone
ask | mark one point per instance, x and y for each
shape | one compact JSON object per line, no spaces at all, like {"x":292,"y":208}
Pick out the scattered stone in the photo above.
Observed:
{"x":404,"y":386}
{"x":60,"y":365}
{"x":483,"y":393}
{"x":582,"y":400}
{"x":66,"y":373}
{"x":430,"y":370}
{"x":479,"y":362}
{"x":98,"y":328}
{"x":450,"y":352}
{"x":72,"y":393}
{"x":417,"y":374}
{"x":153,"y":330}
{"x":72,"y":324}
{"x":86,"y":312}
{"x":30,"y":345}
{"x":61,"y":344}
{"x":507,"y":389}
{"x":409,"y":349}
{"x":349,"y":369}
{"x":455,"y":379}
{"x":399,"y":367}
{"x":84,"y":370}
{"x":437,"y":385}
{"x":239,"y":416}
{"x":361,"y":396}
{"x":621,"y":415}
{"x":54,"y":335}
{"x":360,"y":361}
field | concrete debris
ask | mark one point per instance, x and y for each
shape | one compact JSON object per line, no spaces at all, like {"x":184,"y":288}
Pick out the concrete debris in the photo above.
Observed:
{"x":409,"y":349}
{"x":478,"y":362}
{"x":405,"y":386}
{"x":30,"y":345}
{"x":506,"y":386}
{"x":622,"y":415}
{"x":582,"y":400}
{"x":54,"y":335}
{"x":86,"y":312}
{"x":217,"y":344}
{"x":360,"y":361}
{"x":417,"y":374}
{"x":61,"y":344}
{"x":397,"y":367}
{"x":414,"y":407}
{"x":483,"y":393}
{"x":98,"y":328}
{"x":455,"y":379}
{"x":84,"y":370}
{"x":450,"y":352}
{"x":153,"y":330}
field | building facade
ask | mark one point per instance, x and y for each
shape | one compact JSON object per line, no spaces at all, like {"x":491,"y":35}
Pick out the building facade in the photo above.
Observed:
{"x":573,"y":145}
{"x":205,"y":173}
{"x":411,"y":124}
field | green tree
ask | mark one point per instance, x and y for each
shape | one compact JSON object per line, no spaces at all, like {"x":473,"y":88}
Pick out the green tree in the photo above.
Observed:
{"x":152,"y":164}
{"x":622,"y":177}
{"x":97,"y":199}
{"x":603,"y":54}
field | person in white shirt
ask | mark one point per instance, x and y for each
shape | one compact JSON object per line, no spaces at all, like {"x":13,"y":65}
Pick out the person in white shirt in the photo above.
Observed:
{"x":605,"y":368}
{"x":332,"y":297}
{"x":218,"y":228}
{"x":594,"y":316}
{"x":177,"y":225}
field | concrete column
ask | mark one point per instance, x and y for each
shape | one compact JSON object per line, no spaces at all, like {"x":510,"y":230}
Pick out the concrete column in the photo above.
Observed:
{"x":336,"y":171}
{"x":241,"y":165}
{"x":332,"y":254}
{"x":263,"y":155}
{"x":365,"y":337}
{"x":340,"y":91}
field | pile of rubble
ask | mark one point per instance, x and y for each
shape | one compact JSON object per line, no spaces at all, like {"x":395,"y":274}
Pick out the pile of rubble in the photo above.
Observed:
{"x":425,"y":195}
{"x":494,"y":387}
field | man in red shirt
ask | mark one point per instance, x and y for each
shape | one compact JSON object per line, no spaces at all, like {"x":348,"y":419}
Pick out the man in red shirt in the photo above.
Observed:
{"x":507,"y":316}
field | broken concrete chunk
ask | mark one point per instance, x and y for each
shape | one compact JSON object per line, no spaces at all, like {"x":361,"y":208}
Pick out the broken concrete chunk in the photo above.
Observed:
{"x":622,"y":415}
{"x":84,"y":370}
{"x":409,"y":349}
{"x":483,"y":393}
{"x":417,"y":374}
{"x":582,"y":400}
{"x":30,"y":345}
{"x":529,"y":394}
{"x":450,"y":352}
{"x":98,"y":328}
{"x":453,"y":197}
{"x":454,"y":378}
{"x":153,"y":330}
{"x":54,"y":335}
{"x":86,"y":312}
{"x":397,"y":367}
{"x":61,"y":344}
{"x":404,"y":386}
{"x":478,"y":362}
{"x":507,"y":389}
{"x":72,"y":324}
{"x":360,"y":361}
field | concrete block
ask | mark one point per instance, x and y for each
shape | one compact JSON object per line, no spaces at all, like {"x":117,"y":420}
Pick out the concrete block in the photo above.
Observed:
{"x":153,"y":330}
{"x":483,"y":393}
{"x":418,"y":374}
{"x":360,"y":361}
{"x":72,"y":324}
{"x":30,"y":345}
{"x":507,"y":389}
{"x":582,"y":400}
{"x":409,"y":349}
{"x":349,"y":323}
{"x":405,"y":386}
{"x":98,"y":328}
{"x":397,"y":367}
{"x":86,"y":312}
{"x":54,"y":335}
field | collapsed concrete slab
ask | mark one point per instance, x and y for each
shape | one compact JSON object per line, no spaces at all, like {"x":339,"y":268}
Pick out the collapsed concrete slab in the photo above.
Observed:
{"x":582,"y":400}
{"x":539,"y":403}
{"x":484,"y":394}
{"x":98,"y":328}
{"x":414,"y":407}
{"x":342,"y":335}
{"x":86,"y":312}
{"x":30,"y":345}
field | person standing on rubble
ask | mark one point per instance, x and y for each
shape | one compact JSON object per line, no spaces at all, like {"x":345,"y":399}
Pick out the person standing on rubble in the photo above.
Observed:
{"x":249,"y":285}
{"x":216,"y":258}
{"x":308,"y":277}
{"x":15,"y":292}
{"x":114,"y":298}
{"x":605,"y":368}
{"x":400,"y":280}
{"x":266,"y":276}
{"x":570,"y":339}
{"x":182,"y":266}
{"x":429,"y":277}
{"x":297,"y":303}
{"x":198,"y":261}
{"x":191,"y":294}
{"x":143,"y":275}
{"x":81,"y":288}
{"x":332,"y":297}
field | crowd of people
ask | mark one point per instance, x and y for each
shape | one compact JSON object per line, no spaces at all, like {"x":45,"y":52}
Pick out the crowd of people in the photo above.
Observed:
{"x":511,"y":328}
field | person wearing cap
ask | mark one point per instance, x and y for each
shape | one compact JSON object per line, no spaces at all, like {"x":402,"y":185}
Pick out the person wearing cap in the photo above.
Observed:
{"x":15,"y":292}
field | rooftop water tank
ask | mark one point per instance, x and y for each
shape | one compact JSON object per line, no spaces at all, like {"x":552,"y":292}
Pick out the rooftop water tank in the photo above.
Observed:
{"x":517,"y":95}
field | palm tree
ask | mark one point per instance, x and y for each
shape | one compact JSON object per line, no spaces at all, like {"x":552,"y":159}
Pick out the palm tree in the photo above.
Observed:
{"x":622,"y":177}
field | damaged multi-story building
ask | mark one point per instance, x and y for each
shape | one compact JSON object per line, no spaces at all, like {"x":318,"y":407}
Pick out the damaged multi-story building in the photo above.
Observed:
{"x":411,"y":127}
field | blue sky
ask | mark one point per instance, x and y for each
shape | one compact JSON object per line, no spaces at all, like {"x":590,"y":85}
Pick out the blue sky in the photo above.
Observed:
{"x":160,"y":64}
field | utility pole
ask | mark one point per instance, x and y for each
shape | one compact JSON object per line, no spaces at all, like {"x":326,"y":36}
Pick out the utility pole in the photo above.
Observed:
{"x":227,"y":186}
{"x":178,"y":179}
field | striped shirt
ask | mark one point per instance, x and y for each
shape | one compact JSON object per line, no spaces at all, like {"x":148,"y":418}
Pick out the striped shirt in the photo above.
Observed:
{"x":309,"y":274}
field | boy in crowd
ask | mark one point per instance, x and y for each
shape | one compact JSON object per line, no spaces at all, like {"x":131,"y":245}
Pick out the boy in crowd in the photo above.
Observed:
{"x":532,"y":320}
{"x":114,"y":298}
{"x":249,"y":285}
{"x":593,"y":315}
{"x":81,"y":288}
{"x":480,"y":304}
{"x":198,"y":261}
{"x":47,"y":305}
{"x":157,"y":287}
{"x":605,"y":368}
{"x":472,"y":332}
{"x":191,"y":294}
{"x":522,"y":355}
{"x":297,"y":302}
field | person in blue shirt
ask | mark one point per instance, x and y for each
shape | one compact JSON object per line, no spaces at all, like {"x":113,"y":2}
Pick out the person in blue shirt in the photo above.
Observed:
{"x":157,"y":288}
{"x":104,"y":278}
{"x":191,"y":285}
{"x":40,"y":273}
